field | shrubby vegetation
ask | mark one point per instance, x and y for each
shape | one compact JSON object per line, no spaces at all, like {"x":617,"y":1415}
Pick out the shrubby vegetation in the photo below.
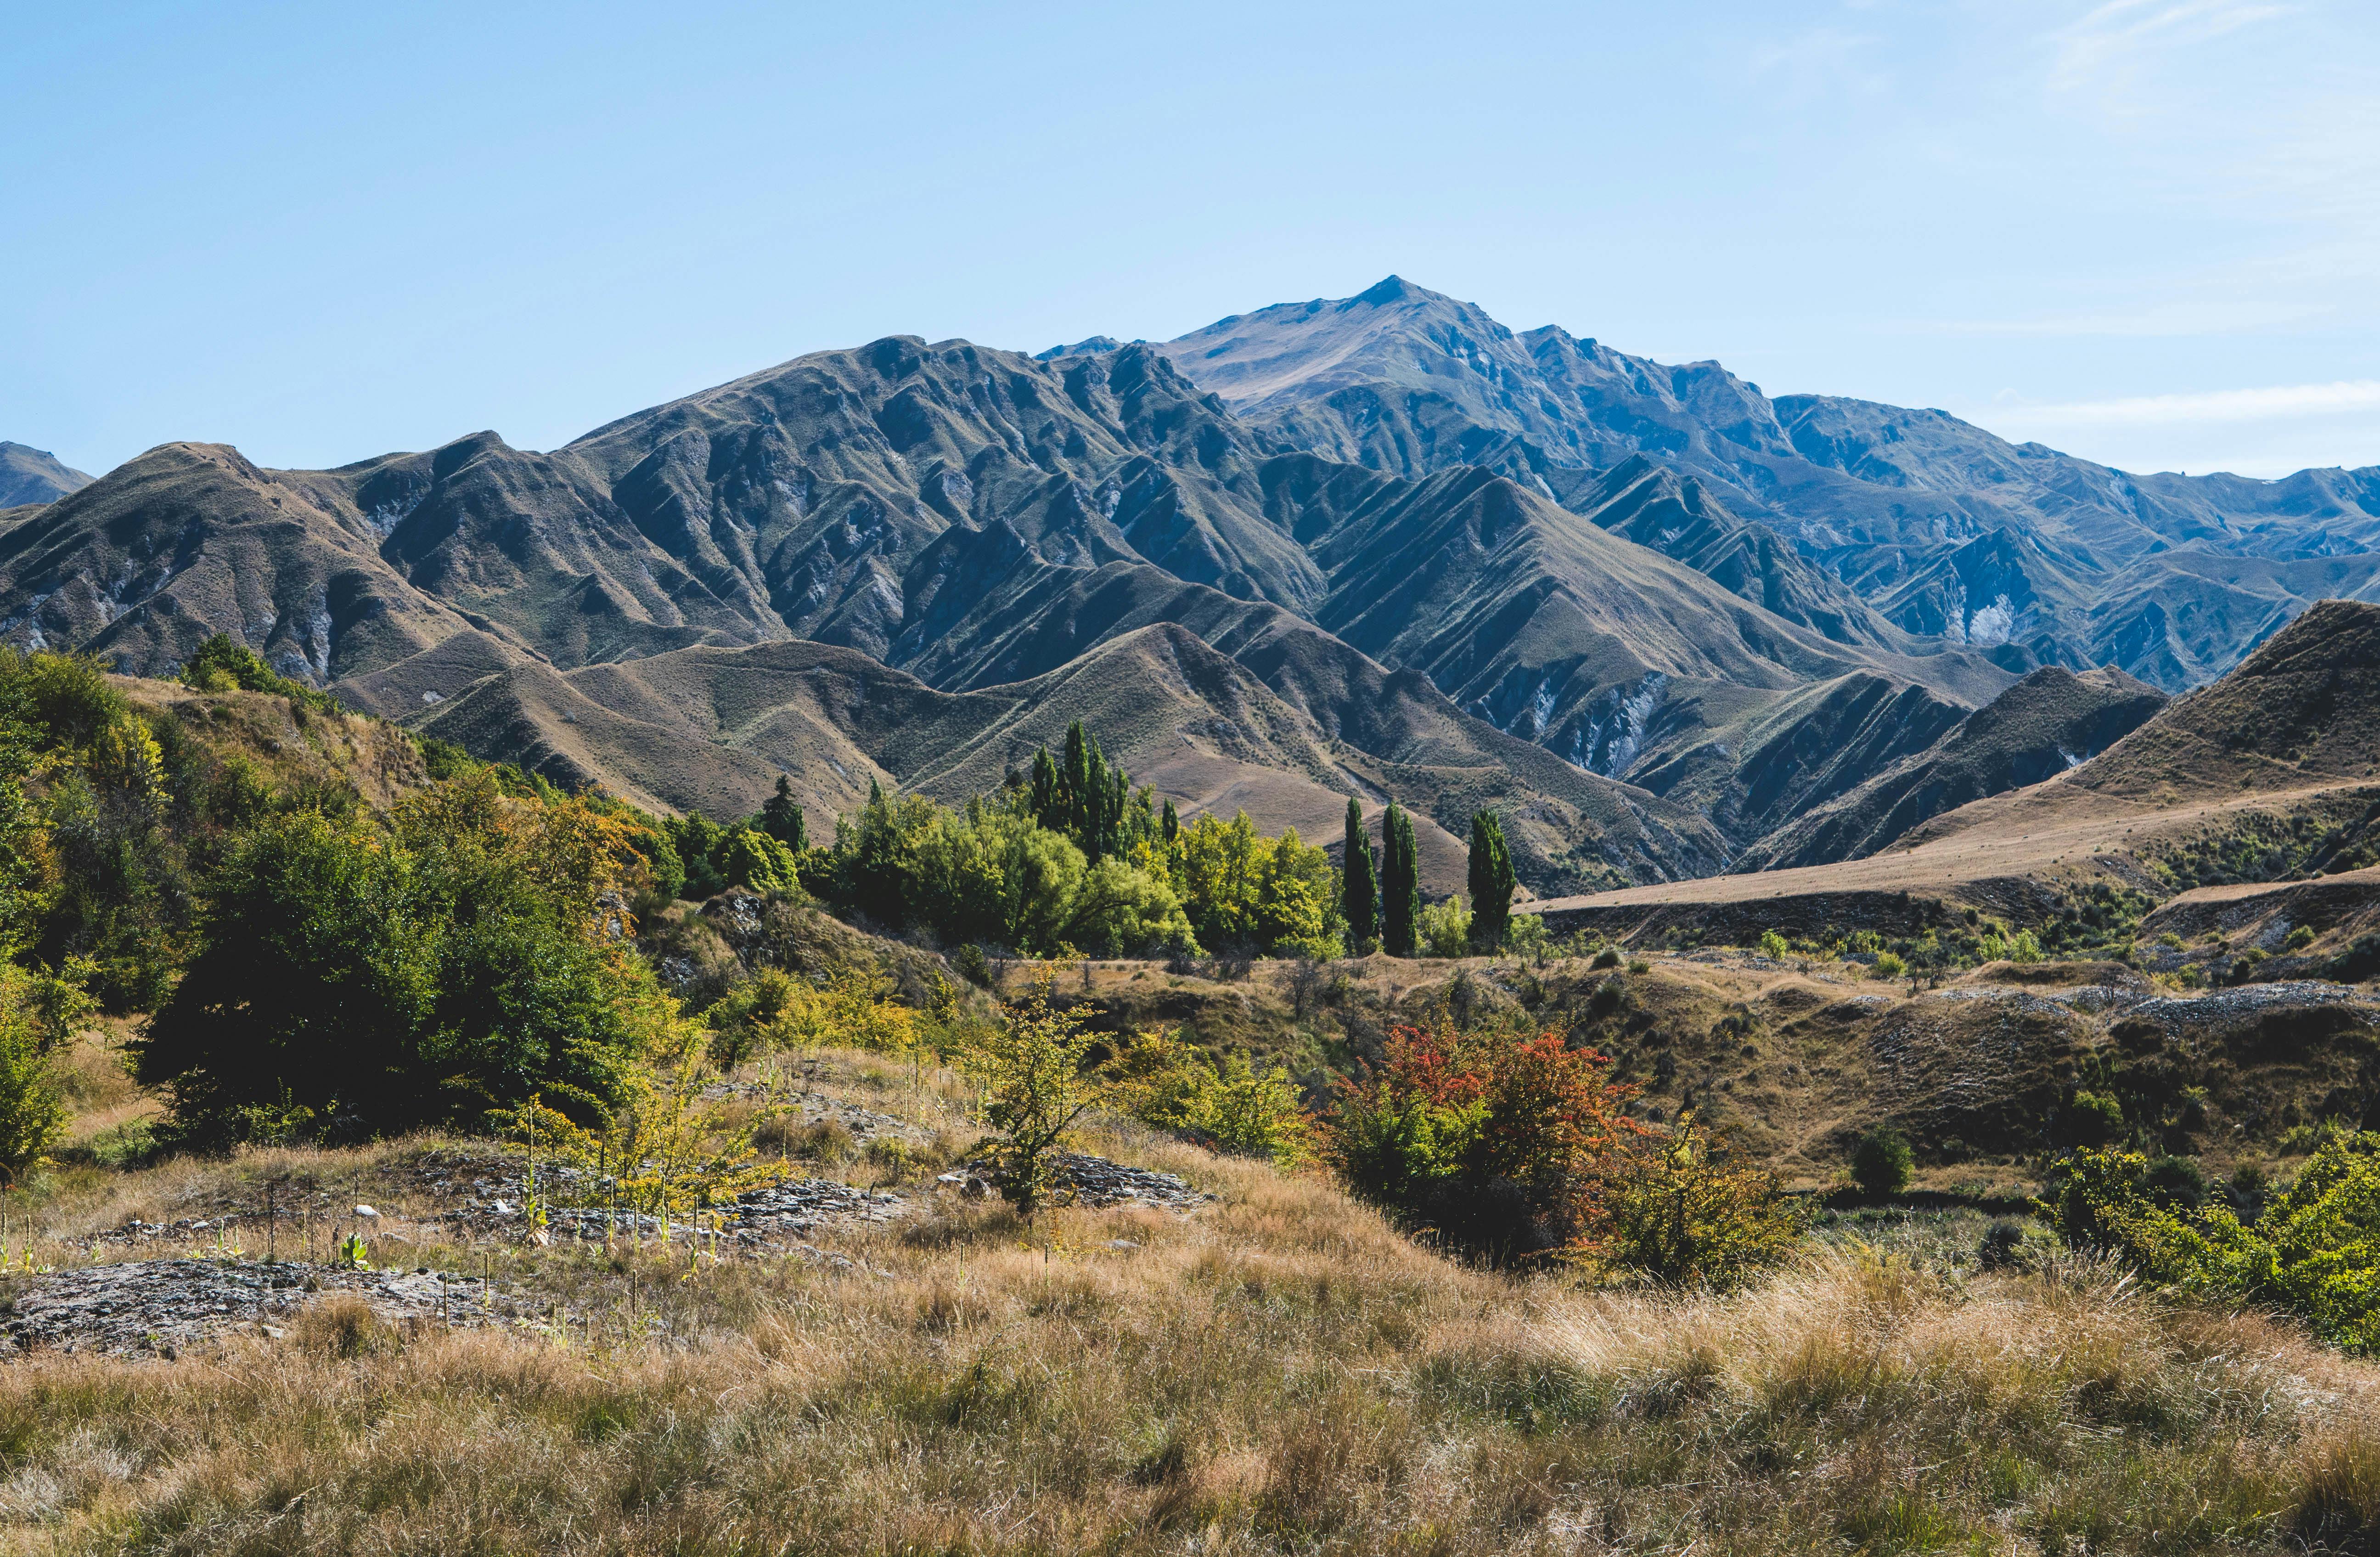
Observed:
{"x":2097,"y":923}
{"x":1880,"y":1163}
{"x":221,"y":665}
{"x":1511,"y":1144}
{"x":364,"y":977}
{"x":112,"y":820}
{"x":2313,"y":1250}
{"x":1232,"y":1106}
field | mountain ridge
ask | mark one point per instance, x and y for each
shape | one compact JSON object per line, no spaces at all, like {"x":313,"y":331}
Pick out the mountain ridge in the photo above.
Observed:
{"x":1409,"y":381}
{"x":1658,"y":618}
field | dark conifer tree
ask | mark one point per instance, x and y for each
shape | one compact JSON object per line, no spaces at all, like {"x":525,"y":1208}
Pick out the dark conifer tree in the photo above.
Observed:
{"x":1047,"y":809}
{"x":781,"y":819}
{"x":1491,"y":882}
{"x":1359,"y":888}
{"x":1074,"y":782}
{"x":1171,"y":824}
{"x":1399,"y":884}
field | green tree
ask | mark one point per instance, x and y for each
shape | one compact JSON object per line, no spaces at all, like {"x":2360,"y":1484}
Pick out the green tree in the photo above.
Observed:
{"x":355,"y":981}
{"x":1444,"y":928}
{"x":782,"y":819}
{"x":32,"y":1113}
{"x":756,"y":859}
{"x":875,"y":868}
{"x":1399,"y":884}
{"x":1359,"y":890}
{"x":1491,"y":882}
{"x":1036,"y":1070}
{"x":1880,"y":1163}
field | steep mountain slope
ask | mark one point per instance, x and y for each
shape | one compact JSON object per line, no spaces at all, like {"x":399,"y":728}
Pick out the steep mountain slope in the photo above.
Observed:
{"x":2271,"y":771}
{"x":711,"y":728}
{"x":2051,"y":720}
{"x":2302,"y":711}
{"x":191,"y":539}
{"x":1943,"y":528}
{"x":1620,"y":660}
{"x":789,"y":503}
{"x":980,"y":518}
{"x":29,"y":475}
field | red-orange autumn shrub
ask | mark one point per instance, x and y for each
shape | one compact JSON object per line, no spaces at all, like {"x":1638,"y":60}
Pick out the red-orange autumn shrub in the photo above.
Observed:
{"x":1489,"y":1136}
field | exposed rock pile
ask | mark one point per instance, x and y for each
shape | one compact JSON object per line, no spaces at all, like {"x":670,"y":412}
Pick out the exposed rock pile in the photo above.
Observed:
{"x":1094,"y":1182}
{"x":156,"y":1308}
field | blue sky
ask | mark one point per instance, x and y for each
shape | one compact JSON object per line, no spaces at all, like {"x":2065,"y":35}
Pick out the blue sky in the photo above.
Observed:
{"x":2146,"y":231}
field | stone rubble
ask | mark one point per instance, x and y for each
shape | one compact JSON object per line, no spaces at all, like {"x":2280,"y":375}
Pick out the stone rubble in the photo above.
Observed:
{"x":1097,"y":1183}
{"x":772,"y":1214}
{"x":157,"y":1307}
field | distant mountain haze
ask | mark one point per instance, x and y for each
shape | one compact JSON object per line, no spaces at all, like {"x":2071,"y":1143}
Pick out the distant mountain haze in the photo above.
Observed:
{"x":1381,"y":545}
{"x":34,"y":476}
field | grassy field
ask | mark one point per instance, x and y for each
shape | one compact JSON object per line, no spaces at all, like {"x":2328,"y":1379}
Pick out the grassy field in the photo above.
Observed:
{"x":1278,"y":1371}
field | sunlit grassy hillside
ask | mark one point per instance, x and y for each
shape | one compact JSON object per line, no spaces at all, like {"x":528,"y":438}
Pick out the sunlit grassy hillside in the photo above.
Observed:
{"x":1280,"y":1371}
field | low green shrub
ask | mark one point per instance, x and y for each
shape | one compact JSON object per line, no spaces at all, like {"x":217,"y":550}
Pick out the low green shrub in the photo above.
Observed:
{"x":1444,"y":928}
{"x":1880,"y":1163}
{"x":2315,"y":1250}
{"x":1231,"y":1107}
{"x":1680,"y":1210}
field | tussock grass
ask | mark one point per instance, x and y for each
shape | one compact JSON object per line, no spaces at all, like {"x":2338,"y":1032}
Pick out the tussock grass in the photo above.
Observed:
{"x":1282,"y":1373}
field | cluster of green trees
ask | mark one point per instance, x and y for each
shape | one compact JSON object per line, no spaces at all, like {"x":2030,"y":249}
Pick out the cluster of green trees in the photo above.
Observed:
{"x":1073,"y":857}
{"x":1380,"y":902}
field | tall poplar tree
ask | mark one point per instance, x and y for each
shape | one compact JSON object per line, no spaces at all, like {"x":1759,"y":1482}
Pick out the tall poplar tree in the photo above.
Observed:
{"x":1359,"y":888}
{"x":1399,"y":884}
{"x":1491,"y":882}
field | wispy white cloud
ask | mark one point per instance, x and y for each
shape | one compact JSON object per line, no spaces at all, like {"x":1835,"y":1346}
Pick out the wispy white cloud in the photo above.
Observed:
{"x":2342,"y":397}
{"x":2119,"y":34}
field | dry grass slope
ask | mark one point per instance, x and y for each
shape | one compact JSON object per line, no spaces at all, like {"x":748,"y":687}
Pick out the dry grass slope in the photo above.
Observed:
{"x":1278,"y":1373}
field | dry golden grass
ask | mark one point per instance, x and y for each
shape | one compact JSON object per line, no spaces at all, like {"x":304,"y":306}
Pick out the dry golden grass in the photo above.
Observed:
{"x":1280,"y":1372}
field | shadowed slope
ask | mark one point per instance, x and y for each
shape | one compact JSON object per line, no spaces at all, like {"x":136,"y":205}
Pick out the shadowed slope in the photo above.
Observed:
{"x":189,"y":539}
{"x":2051,"y":720}
{"x":2274,"y":767}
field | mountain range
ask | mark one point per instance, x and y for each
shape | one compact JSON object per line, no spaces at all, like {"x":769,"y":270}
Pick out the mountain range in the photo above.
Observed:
{"x":1379,"y":545}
